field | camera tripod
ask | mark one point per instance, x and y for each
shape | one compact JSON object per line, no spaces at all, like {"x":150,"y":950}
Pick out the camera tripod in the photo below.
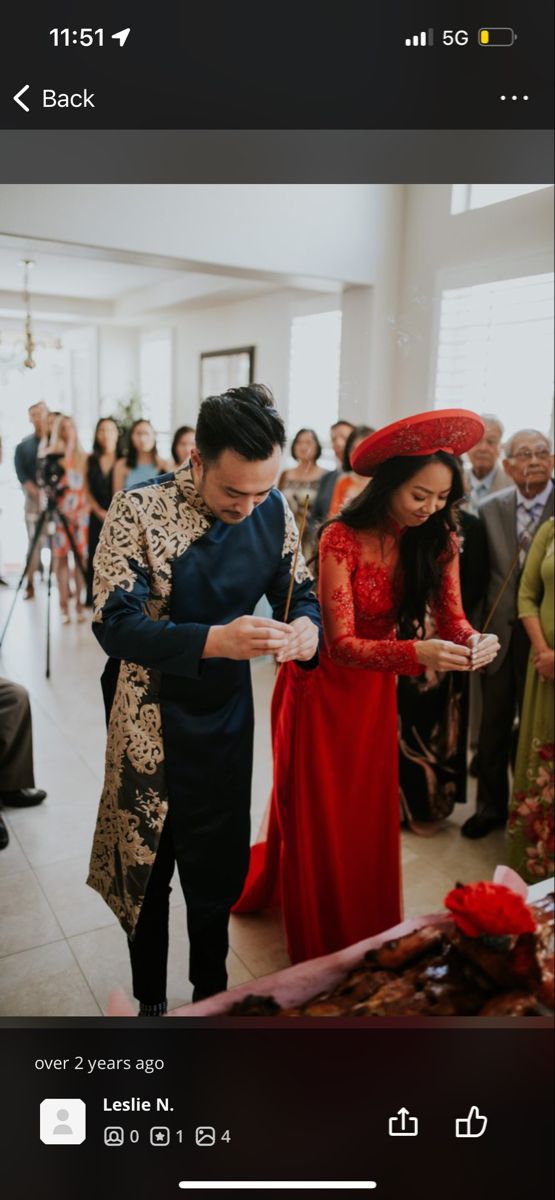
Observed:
{"x":52,"y":513}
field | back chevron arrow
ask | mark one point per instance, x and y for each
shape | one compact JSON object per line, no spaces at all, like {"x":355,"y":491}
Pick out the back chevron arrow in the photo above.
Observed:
{"x":18,"y":96}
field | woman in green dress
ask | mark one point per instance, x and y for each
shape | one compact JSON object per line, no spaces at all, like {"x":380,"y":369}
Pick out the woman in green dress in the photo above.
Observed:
{"x":530,"y":827}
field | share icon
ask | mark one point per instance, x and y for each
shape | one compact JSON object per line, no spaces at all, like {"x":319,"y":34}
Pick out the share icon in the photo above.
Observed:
{"x":122,"y":36}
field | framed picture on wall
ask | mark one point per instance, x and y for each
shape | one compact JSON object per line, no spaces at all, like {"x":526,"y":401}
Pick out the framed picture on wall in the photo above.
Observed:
{"x":223,"y":369}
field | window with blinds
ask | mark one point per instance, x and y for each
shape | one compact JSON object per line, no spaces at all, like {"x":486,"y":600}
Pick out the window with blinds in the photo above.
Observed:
{"x":495,"y":350}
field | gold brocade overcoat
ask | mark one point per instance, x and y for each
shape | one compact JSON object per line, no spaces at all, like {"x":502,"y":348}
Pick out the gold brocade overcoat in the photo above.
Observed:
{"x":140,"y":554}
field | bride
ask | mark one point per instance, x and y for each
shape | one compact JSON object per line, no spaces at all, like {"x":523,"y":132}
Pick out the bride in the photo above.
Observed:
{"x":332,"y":854}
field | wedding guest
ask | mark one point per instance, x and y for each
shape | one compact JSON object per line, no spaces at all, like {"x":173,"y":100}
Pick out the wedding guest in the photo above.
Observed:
{"x":183,"y":443}
{"x":392,"y":554}
{"x":17,"y":780}
{"x":25,"y":461}
{"x":142,"y":461}
{"x":530,"y":825}
{"x":482,"y":478}
{"x":434,"y":708}
{"x":180,"y":567}
{"x":349,"y":485}
{"x":301,"y":481}
{"x":485,"y":475}
{"x":319,"y":511}
{"x":73,"y":503}
{"x":51,"y":425}
{"x":510,"y":519}
{"x":100,"y":486}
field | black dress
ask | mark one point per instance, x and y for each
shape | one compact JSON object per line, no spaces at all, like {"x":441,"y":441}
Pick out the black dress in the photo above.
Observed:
{"x":101,"y":489}
{"x":433,"y":707}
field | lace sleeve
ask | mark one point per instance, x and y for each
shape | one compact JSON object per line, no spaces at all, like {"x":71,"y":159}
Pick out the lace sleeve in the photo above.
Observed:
{"x":339,"y":557}
{"x":447,"y":609}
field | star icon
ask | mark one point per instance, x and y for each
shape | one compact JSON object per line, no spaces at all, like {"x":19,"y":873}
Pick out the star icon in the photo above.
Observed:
{"x":159,"y":1135}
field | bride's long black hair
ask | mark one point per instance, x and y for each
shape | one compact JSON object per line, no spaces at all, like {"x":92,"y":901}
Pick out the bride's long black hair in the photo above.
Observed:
{"x":425,"y":549}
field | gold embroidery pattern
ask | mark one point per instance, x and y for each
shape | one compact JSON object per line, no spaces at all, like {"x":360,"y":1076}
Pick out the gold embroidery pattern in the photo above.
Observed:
{"x":145,"y":530}
{"x":290,"y":539}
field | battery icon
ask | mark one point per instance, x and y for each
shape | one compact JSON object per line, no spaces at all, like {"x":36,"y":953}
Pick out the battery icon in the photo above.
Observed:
{"x":499,"y":35}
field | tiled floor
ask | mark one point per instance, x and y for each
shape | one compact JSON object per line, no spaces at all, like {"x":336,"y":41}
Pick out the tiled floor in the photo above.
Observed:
{"x":61,"y":950}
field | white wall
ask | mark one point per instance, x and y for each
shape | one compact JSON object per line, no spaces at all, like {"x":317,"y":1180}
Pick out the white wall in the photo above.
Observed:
{"x":329,"y":231}
{"x":118,"y":365}
{"x":501,"y":241}
{"x":263,"y":322}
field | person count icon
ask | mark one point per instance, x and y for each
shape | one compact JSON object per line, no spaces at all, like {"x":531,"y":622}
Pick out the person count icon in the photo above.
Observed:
{"x":62,"y":1115}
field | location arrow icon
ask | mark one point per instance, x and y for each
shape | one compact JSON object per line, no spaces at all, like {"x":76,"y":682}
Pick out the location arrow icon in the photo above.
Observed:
{"x":18,"y":96}
{"x":122,"y":36}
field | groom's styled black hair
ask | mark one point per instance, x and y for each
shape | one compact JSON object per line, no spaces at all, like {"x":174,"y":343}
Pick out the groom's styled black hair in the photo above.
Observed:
{"x":243,"y":419}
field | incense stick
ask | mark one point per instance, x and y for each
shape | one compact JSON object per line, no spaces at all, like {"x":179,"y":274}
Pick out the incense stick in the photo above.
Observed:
{"x":501,"y":591}
{"x":302,"y":527}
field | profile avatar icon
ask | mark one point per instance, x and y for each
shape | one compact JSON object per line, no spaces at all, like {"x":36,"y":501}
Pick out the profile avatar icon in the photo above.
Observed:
{"x":62,"y":1115}
{"x":63,"y":1121}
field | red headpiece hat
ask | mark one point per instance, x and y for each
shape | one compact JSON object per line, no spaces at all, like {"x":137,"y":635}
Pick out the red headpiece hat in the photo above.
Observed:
{"x":453,"y":430}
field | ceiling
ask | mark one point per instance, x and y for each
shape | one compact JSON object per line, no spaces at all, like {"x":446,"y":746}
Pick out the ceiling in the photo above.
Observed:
{"x":76,"y":284}
{"x":61,"y":275}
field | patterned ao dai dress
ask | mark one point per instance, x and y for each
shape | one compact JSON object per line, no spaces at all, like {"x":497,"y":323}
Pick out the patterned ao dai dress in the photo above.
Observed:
{"x":332,"y":855}
{"x":295,"y":492}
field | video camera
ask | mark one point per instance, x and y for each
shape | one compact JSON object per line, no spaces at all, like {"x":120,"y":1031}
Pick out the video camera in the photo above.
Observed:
{"x":50,"y":472}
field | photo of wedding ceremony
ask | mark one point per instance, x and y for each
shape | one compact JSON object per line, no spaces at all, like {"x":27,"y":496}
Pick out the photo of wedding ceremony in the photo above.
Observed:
{"x":277,"y":653}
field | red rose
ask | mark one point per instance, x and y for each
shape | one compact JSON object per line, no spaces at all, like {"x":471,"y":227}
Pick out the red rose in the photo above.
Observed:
{"x":489,"y":908}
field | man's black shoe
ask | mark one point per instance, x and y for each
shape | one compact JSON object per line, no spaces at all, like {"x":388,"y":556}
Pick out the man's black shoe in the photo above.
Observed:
{"x":4,"y":835}
{"x":24,"y":798}
{"x":479,"y":826}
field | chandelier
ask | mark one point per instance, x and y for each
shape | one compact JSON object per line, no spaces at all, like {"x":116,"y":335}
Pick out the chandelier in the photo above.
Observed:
{"x":30,"y":342}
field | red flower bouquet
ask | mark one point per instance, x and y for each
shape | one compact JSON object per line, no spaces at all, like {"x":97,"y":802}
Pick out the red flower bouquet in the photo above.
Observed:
{"x":489,"y":910}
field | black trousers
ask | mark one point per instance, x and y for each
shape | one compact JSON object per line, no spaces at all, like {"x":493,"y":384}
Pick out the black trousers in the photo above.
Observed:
{"x":207,"y":927}
{"x":502,"y":696}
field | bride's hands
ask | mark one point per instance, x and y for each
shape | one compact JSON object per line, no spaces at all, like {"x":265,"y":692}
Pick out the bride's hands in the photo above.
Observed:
{"x":439,"y":655}
{"x":484,"y":647}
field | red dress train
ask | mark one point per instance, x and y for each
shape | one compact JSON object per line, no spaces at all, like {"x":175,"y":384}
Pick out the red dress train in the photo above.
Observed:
{"x":332,"y":853}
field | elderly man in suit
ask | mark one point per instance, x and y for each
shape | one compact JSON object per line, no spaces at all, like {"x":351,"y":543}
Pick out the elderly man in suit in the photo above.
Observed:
{"x":485,"y":475}
{"x":511,"y":518}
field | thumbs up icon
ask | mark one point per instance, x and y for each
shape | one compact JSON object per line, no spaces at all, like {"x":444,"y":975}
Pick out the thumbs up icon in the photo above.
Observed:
{"x":472,"y":1126}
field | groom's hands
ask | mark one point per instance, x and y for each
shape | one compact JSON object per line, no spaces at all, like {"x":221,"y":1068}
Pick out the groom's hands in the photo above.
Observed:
{"x":252,"y":637}
{"x":247,"y":637}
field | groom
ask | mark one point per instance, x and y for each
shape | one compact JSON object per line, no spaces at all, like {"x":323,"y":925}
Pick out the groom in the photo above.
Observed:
{"x":180,"y":567}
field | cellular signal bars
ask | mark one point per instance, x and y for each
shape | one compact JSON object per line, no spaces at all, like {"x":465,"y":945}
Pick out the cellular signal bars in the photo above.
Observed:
{"x":425,"y":38}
